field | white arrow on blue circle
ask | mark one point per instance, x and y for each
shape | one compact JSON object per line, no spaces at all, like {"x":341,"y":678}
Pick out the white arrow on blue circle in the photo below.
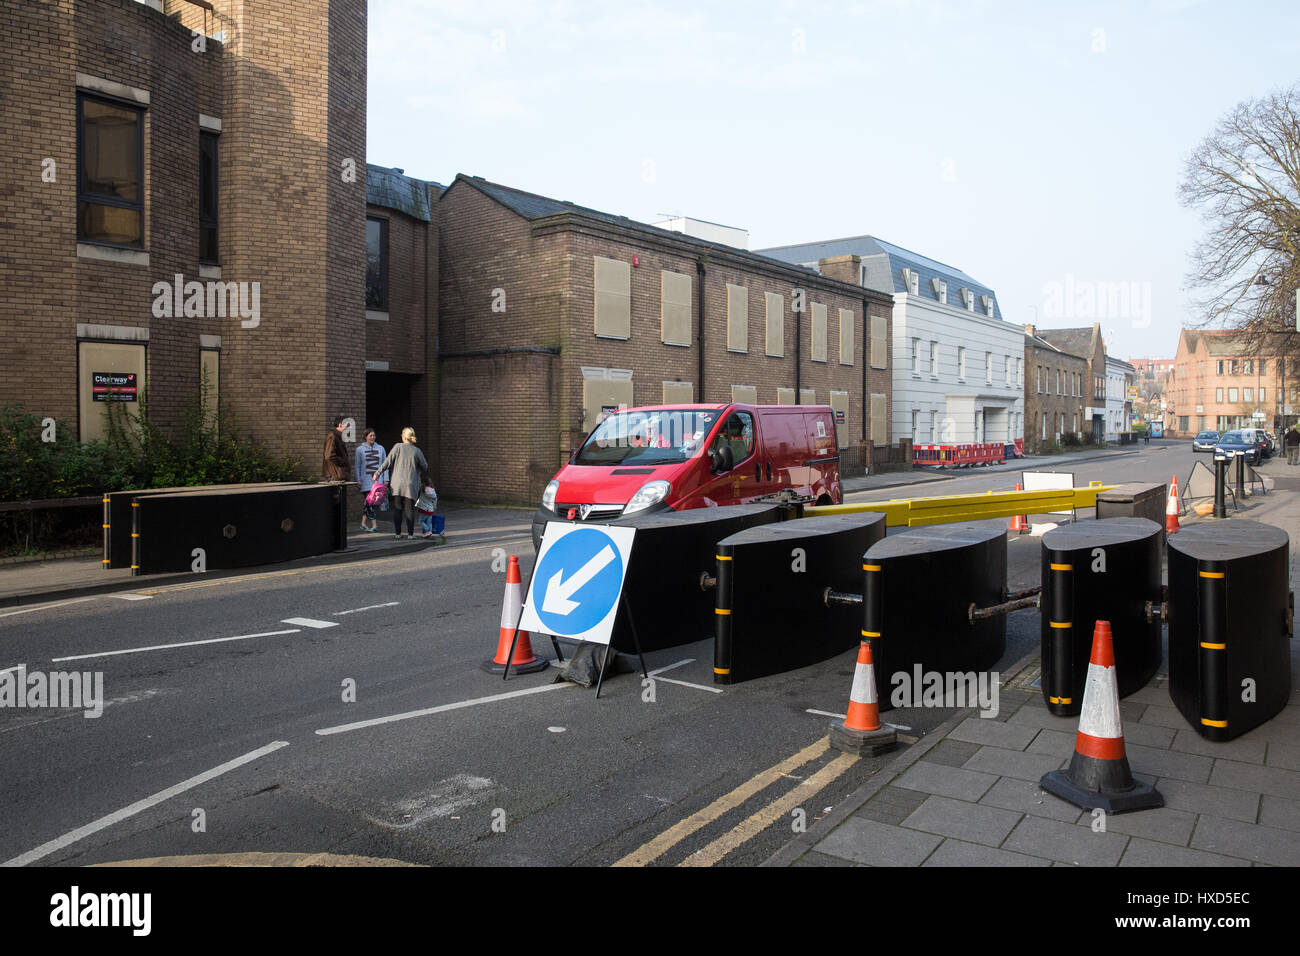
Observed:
{"x":556,"y":600}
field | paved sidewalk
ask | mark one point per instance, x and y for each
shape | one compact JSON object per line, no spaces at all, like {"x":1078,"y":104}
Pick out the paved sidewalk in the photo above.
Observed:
{"x":967,"y":795}
{"x":37,"y":582}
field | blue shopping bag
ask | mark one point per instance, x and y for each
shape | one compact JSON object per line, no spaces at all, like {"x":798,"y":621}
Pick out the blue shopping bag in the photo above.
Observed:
{"x":439,"y":522}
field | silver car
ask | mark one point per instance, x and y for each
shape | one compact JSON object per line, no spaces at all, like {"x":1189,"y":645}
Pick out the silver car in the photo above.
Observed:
{"x":1205,"y":441}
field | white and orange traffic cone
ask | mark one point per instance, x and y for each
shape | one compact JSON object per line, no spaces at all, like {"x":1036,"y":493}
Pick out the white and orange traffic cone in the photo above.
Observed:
{"x":1099,"y":774}
{"x":1020,"y":523}
{"x":524,"y":661}
{"x":862,"y":733}
{"x":1171,"y":507}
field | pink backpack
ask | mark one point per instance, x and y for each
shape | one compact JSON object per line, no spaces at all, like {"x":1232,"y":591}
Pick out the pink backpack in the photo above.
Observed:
{"x":377,"y":494}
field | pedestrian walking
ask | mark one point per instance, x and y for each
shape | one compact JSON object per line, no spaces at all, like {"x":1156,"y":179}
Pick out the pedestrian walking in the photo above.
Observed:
{"x":335,"y":467}
{"x":1292,"y":440}
{"x":365,"y":463}
{"x":404,"y":464}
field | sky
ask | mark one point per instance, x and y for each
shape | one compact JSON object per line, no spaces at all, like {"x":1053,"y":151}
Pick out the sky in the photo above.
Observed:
{"x":1037,"y":146}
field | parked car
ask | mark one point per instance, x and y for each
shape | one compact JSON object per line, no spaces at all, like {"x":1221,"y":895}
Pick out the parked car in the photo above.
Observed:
{"x":1261,"y":440}
{"x":642,"y":460}
{"x":1238,"y":441}
{"x":1206,"y":440}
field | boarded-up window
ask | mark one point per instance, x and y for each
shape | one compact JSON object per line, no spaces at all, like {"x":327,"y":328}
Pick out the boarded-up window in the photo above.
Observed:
{"x":880,"y":422}
{"x":807,"y":396}
{"x":745,"y":393}
{"x":785,"y":396}
{"x":675,"y":298}
{"x":679,"y":393}
{"x":111,"y":374}
{"x":613,"y":298}
{"x":840,"y":405}
{"x":818,"y":332}
{"x":604,"y":390}
{"x":880,"y":342}
{"x":846,"y":336}
{"x":737,"y":318}
{"x":775,"y":323}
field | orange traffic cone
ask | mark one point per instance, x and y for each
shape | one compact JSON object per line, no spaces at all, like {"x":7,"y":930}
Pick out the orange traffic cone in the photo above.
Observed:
{"x":1171,"y":507}
{"x":524,"y":661}
{"x":862,"y":733}
{"x":1099,"y":775}
{"x":1020,"y":523}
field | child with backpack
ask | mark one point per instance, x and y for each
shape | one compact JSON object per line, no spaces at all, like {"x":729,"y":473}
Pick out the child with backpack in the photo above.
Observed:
{"x":426,"y":505}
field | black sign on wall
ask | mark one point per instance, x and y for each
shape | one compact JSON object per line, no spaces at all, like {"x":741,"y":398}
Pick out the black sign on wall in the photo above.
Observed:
{"x":113,"y":386}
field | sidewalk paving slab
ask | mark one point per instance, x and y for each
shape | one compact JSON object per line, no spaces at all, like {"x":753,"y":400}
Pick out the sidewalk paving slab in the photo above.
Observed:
{"x":1262,"y":844}
{"x":960,"y":853}
{"x":1142,"y":852}
{"x":1065,"y":842}
{"x":934,"y":778}
{"x":879,"y":844}
{"x":1279,"y":812}
{"x":962,"y":820}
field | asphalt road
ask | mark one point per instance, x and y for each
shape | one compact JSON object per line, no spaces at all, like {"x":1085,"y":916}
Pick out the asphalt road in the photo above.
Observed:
{"x":677,"y":772}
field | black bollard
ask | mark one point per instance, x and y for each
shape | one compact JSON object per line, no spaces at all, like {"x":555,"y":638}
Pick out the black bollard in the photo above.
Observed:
{"x":1220,"y":479}
{"x":1241,"y":477}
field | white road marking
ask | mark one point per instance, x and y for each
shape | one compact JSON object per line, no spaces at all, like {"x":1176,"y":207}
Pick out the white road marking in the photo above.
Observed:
{"x":132,"y":597}
{"x":46,"y":607}
{"x":309,"y":622}
{"x":370,"y":607}
{"x":441,"y":708}
{"x":167,"y":647}
{"x":660,"y":670}
{"x":72,"y":836}
{"x":683,"y":683}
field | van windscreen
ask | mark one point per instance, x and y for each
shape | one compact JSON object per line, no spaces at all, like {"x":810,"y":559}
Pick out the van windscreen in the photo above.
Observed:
{"x":659,"y":437}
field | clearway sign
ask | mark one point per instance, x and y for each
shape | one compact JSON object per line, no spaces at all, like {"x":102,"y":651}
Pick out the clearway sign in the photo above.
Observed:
{"x":579,"y":577}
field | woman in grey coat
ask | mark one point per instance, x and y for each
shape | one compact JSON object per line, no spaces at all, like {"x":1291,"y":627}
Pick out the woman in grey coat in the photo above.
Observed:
{"x":405,"y":463}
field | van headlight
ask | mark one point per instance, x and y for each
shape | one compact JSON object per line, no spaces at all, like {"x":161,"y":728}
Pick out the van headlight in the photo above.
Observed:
{"x":651,"y":493}
{"x":548,"y":496}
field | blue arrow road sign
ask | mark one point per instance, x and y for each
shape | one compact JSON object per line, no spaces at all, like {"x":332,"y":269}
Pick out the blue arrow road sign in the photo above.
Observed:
{"x":579,"y":577}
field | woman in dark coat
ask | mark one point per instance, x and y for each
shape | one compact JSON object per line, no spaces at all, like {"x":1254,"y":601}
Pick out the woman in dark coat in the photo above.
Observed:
{"x":405,"y":464}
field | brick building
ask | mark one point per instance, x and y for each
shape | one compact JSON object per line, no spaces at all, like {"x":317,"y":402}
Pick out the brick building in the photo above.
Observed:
{"x":1088,"y":344}
{"x":1055,"y":394}
{"x":1222,"y":380}
{"x":550,"y":313}
{"x":223,"y":144}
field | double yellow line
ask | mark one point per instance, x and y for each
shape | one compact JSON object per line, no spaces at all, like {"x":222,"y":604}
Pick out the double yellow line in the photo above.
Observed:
{"x":753,"y":825}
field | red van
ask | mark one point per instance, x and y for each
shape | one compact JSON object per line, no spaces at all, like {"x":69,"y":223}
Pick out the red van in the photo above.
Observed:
{"x":641,"y":460}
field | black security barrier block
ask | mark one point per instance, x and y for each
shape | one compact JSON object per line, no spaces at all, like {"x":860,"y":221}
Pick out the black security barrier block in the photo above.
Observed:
{"x":672,"y":550}
{"x":118,"y":520}
{"x":1229,"y":625}
{"x":238,"y":527}
{"x":1134,"y":499}
{"x":1092,"y":571}
{"x":919,"y":586}
{"x":771,"y":608}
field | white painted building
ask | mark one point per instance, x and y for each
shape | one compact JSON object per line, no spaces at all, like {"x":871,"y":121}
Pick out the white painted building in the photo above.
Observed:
{"x":1119,"y":376}
{"x":958,"y":368}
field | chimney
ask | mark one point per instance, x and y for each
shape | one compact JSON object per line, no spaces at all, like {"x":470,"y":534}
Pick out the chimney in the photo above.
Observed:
{"x":1030,"y":330}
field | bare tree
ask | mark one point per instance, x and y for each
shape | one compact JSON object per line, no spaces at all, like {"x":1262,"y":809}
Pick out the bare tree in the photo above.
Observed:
{"x":1244,"y":179}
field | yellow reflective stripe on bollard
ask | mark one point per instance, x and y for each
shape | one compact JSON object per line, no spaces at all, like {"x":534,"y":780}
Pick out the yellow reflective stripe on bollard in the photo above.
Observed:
{"x":1061,"y":700}
{"x":1212,"y":574}
{"x":1214,"y":647}
{"x":1061,"y":567}
{"x":722,"y":557}
{"x":722,"y":610}
{"x":1059,"y":624}
{"x":870,"y":633}
{"x":1213,"y":723}
{"x":871,"y":567}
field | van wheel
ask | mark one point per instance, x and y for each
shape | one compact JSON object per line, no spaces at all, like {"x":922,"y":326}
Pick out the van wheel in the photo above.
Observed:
{"x":825,"y":500}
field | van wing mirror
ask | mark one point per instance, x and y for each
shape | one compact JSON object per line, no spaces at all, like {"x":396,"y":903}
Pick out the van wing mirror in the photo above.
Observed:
{"x":725,"y":460}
